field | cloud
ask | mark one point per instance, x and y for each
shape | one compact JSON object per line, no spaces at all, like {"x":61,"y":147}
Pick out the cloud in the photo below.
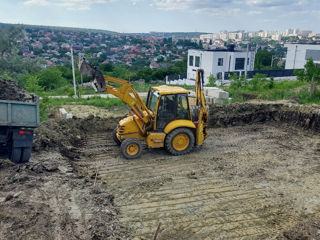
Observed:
{"x":254,"y":12}
{"x":275,"y":3}
{"x":195,"y":5}
{"x":218,"y":12}
{"x":134,"y":2}
{"x":36,"y":2}
{"x":68,"y":4}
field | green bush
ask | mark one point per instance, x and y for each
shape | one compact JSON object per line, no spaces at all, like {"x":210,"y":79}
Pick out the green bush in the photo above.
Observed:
{"x":212,"y":81}
{"x":51,"y":78}
{"x":238,"y":82}
{"x":32,"y":85}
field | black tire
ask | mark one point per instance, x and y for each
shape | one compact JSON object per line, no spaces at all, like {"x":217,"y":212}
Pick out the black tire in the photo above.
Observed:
{"x":15,"y":155}
{"x":186,"y":132}
{"x":115,"y":138}
{"x":125,"y":148}
{"x":25,"y":154}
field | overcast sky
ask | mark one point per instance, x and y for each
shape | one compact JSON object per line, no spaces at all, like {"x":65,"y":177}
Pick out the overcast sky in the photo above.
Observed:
{"x":166,"y":15}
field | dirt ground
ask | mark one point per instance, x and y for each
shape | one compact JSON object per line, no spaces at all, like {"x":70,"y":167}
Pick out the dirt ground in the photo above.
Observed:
{"x":246,"y":182}
{"x":82,"y":111}
{"x":256,"y":177}
{"x":46,"y":199}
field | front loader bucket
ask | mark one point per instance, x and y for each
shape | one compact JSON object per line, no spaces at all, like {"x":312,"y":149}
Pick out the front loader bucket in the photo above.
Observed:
{"x":89,"y":70}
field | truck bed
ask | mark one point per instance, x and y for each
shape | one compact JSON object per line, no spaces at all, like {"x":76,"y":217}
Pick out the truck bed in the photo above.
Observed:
{"x":19,"y":114}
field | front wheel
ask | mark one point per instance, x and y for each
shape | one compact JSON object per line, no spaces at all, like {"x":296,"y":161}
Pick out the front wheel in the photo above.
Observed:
{"x":180,"y":141}
{"x":131,"y":148}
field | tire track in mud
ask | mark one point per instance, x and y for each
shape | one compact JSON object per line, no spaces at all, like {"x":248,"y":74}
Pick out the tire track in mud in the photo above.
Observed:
{"x":179,"y":193}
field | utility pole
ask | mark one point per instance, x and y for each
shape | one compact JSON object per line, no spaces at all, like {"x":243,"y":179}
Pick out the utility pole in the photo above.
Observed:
{"x":295,"y":55}
{"x":73,"y":74}
{"x":246,"y":61}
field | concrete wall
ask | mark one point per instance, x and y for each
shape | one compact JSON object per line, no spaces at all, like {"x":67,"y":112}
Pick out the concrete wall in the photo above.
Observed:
{"x":297,"y":54}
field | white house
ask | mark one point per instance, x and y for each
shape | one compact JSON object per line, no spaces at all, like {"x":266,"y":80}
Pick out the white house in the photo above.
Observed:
{"x":298,"y":54}
{"x":219,"y":61}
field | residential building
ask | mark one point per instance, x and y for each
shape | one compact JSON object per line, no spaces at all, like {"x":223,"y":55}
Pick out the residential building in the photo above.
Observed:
{"x":298,"y":54}
{"x":218,"y":61}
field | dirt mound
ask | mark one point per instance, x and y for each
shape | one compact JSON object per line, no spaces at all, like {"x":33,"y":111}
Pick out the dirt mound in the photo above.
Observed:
{"x":46,"y":199}
{"x":66,"y":134}
{"x":10,"y":90}
{"x":306,"y":230}
{"x":237,"y":114}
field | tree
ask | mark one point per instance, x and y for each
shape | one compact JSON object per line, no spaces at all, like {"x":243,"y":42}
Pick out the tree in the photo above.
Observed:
{"x":11,"y":63}
{"x":9,"y":36}
{"x":51,"y":78}
{"x":108,"y":67}
{"x":262,"y":60}
{"x":32,"y":84}
{"x":312,"y":74}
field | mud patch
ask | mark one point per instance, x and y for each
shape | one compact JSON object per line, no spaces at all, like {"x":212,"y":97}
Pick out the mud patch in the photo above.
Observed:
{"x":10,"y":90}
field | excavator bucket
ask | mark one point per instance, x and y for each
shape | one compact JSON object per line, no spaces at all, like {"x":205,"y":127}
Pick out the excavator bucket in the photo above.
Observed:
{"x":85,"y":68}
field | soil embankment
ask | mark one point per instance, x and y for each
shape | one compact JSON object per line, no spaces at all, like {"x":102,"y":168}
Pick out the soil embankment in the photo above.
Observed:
{"x":237,"y":114}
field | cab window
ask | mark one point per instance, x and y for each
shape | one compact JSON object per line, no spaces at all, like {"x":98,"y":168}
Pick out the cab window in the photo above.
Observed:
{"x":182,"y":107}
{"x":166,"y":110}
{"x":152,"y":100}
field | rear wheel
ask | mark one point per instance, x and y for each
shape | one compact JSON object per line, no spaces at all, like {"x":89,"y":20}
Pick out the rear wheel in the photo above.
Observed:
{"x":131,"y":148}
{"x":115,"y":138}
{"x":25,"y":154}
{"x":180,"y":141}
{"x":16,"y":154}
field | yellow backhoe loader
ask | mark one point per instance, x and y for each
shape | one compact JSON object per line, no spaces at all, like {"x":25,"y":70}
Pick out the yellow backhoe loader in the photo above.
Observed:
{"x":170,"y":118}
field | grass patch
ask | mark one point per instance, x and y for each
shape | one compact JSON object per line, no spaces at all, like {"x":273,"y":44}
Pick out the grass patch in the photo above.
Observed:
{"x":305,"y":98}
{"x":279,"y":91}
{"x":48,"y":103}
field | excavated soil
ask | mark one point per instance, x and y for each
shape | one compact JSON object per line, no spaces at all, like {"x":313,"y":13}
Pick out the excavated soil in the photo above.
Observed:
{"x":67,"y":134}
{"x":256,"y":177}
{"x":10,"y":90}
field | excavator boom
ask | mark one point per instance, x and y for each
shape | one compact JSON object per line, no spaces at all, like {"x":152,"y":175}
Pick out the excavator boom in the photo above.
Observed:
{"x":119,"y":88}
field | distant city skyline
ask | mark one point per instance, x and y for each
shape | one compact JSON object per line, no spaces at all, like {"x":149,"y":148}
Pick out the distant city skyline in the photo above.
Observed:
{"x":135,"y":16}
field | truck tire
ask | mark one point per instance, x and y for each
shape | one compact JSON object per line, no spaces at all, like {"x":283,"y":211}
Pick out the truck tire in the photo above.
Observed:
{"x":25,"y":154}
{"x":115,"y":138}
{"x":15,"y":155}
{"x":131,"y":148}
{"x":180,"y":141}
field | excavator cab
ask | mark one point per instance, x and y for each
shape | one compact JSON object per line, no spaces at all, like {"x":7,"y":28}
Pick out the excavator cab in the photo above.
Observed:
{"x":164,"y":120}
{"x":168,"y":106}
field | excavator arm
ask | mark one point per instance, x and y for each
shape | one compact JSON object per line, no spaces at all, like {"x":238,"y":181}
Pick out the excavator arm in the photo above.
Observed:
{"x":201,"y":104}
{"x":121,"y":89}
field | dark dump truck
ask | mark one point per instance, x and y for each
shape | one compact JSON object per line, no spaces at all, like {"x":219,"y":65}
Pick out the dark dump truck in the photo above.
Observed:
{"x":17,"y":122}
